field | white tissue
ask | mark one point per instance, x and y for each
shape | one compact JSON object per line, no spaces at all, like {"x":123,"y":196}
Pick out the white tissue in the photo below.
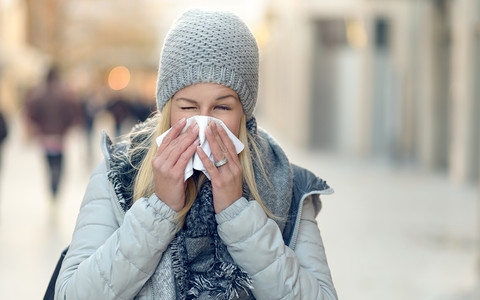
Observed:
{"x":195,"y":163}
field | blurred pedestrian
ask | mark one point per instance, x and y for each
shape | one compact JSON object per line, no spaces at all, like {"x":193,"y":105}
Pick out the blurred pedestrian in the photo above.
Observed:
{"x":3,"y":134}
{"x":51,"y":110}
{"x":237,"y":223}
{"x":141,"y":109}
{"x":120,"y":109}
{"x":90,"y":109}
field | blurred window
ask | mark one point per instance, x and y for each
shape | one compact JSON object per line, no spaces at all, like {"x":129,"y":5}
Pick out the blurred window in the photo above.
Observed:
{"x":381,"y":33}
{"x":476,"y":97}
{"x":331,"y":32}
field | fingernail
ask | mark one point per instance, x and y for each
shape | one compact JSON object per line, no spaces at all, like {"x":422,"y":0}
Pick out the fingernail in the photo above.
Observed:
{"x":182,"y":120}
{"x":195,"y":127}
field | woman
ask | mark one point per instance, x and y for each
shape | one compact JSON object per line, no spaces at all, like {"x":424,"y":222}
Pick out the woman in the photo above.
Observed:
{"x":242,"y":229}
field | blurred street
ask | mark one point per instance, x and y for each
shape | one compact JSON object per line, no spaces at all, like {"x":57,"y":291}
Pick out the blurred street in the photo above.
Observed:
{"x":32,"y":230}
{"x":395,"y":232}
{"x":379,"y":98}
{"x":390,"y":233}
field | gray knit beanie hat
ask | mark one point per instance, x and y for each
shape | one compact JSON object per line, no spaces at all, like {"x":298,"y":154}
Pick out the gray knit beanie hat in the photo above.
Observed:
{"x":209,"y":46}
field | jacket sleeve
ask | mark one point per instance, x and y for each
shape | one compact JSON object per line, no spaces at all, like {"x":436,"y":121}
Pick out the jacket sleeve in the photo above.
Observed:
{"x":255,"y":242}
{"x":107,"y":260}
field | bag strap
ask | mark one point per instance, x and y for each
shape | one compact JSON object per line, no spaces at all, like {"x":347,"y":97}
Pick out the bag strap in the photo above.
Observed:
{"x":50,"y":293}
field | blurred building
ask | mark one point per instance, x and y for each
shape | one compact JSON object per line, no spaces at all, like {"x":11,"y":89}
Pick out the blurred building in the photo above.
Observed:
{"x":87,"y":39}
{"x":18,"y":61}
{"x":394,"y":79}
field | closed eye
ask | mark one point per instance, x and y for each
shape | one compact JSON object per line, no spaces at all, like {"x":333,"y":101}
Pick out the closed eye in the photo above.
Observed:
{"x":223,"y":107}
{"x":187,"y":107}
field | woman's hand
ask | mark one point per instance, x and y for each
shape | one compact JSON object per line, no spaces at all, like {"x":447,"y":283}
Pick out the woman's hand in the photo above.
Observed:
{"x":226,"y":179}
{"x":170,"y":161}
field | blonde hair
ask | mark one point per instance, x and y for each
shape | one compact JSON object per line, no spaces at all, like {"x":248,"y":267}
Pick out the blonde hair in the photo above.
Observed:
{"x":144,"y":186}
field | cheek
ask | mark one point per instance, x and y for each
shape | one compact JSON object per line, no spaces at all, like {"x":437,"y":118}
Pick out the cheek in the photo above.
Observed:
{"x":174,"y":118}
{"x":233,"y":125}
{"x":176,"y":115}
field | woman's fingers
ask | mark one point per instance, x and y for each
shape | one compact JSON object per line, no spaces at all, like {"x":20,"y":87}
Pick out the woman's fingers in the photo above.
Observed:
{"x":170,"y":161}
{"x":225,"y":139}
{"x":226,"y":182}
{"x":221,"y":144}
{"x":172,"y":134}
{"x":227,"y":178}
{"x":177,"y":147}
{"x":218,"y":149}
{"x":187,"y":155}
{"x":207,"y":163}
{"x":182,"y":142}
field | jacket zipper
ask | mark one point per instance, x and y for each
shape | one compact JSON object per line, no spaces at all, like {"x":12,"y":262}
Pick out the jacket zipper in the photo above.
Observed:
{"x":118,"y":205}
{"x":293,"y":241}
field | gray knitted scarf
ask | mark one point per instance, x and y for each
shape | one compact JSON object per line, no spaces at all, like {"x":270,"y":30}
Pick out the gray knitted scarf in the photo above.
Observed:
{"x":202,"y":266}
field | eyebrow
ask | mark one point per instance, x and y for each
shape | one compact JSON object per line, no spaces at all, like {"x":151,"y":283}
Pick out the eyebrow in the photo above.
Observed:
{"x":227,"y":96}
{"x":185,"y":99}
{"x":195,"y":101}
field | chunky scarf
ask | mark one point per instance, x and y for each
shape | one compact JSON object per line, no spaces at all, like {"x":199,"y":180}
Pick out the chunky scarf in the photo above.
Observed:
{"x":202,"y":266}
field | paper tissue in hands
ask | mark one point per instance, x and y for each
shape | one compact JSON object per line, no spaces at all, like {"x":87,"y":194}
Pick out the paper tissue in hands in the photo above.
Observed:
{"x":195,"y":163}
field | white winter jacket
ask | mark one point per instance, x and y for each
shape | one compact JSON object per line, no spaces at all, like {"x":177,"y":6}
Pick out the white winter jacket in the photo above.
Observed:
{"x":113,"y":254}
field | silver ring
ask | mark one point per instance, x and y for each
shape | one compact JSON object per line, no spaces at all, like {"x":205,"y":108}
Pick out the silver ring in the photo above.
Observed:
{"x":221,"y":163}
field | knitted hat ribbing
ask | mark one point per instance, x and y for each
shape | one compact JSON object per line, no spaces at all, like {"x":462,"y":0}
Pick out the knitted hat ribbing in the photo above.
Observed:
{"x":209,"y":46}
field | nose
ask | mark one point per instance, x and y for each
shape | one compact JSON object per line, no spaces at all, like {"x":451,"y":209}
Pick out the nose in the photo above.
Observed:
{"x":206,"y":112}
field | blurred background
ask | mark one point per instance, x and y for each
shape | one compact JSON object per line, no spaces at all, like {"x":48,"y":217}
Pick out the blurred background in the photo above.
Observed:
{"x":379,"y":97}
